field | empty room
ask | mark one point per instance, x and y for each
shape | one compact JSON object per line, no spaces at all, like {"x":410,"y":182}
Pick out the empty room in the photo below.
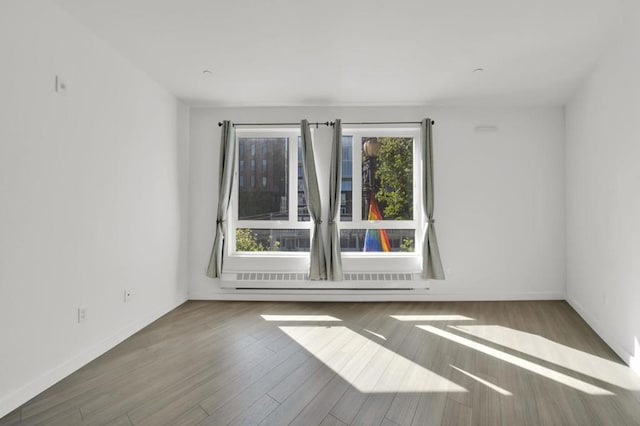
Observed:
{"x":284,"y":212}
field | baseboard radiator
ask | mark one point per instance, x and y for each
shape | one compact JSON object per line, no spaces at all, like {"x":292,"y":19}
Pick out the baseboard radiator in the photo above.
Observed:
{"x":353,"y":281}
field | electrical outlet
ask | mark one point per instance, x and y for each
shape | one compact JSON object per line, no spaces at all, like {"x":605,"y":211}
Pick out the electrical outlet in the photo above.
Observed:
{"x":61,"y":85}
{"x":127,"y":295}
{"x":82,"y":314}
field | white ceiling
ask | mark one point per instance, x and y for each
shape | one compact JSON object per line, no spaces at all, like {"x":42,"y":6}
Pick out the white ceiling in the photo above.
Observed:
{"x":357,"y":52}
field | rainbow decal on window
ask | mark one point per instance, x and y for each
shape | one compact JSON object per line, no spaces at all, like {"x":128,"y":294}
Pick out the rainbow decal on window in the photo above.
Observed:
{"x":376,"y":239}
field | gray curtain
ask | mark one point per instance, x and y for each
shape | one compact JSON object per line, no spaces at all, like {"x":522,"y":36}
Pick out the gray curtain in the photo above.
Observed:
{"x":318,"y":267}
{"x":227,"y":164}
{"x":431,"y":262}
{"x":334,"y":261}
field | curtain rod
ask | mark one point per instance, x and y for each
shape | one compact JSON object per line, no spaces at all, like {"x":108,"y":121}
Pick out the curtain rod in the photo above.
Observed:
{"x":384,"y":122}
{"x":326,"y":123}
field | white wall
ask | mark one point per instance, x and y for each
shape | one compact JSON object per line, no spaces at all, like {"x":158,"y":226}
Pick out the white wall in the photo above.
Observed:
{"x":93,"y":194}
{"x":499,"y":197}
{"x":603,"y":194}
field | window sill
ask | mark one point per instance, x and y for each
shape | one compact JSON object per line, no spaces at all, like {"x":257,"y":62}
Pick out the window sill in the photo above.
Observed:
{"x":269,"y":254}
{"x":229,"y":281}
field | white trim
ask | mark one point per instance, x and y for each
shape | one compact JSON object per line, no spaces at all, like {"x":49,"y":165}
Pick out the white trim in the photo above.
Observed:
{"x":53,"y":376}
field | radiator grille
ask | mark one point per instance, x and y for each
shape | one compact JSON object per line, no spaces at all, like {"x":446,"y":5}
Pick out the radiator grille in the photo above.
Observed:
{"x":271,"y":276}
{"x":298,"y":276}
{"x":377,"y":276}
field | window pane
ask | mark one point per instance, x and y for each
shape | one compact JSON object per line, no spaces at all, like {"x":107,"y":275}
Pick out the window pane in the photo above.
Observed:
{"x":387,"y":178}
{"x":252,"y":239}
{"x":270,"y":200}
{"x":377,"y":240}
{"x":346,"y":199}
{"x":303,"y":212}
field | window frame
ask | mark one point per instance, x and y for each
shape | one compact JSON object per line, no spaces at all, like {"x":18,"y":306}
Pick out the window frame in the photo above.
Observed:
{"x":298,"y":261}
{"x":267,"y":260}
{"x":384,"y":261}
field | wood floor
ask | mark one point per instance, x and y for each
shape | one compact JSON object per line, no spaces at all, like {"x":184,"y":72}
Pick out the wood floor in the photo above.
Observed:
{"x":248,"y":363}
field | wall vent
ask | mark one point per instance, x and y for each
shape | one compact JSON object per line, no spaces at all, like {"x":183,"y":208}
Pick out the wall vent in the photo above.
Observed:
{"x":298,"y":276}
{"x":377,"y":276}
{"x":271,"y":276}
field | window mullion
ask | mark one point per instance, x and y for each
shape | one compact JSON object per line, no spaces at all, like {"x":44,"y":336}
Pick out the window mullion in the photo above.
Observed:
{"x":417,"y":194}
{"x":275,"y":224}
{"x":356,"y":179}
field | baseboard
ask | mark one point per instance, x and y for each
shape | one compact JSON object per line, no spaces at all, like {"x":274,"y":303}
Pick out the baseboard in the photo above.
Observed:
{"x":365,"y":296}
{"x":53,"y":376}
{"x":609,"y":339}
{"x":602,"y":332}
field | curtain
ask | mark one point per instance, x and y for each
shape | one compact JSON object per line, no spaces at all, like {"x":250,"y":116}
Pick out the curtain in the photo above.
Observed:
{"x":431,"y":262}
{"x":334,"y":261}
{"x":318,"y":265}
{"x":227,"y":164}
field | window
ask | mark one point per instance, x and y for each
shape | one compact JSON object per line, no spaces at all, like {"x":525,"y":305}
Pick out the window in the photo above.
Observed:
{"x":265,"y":218}
{"x":380,"y":210}
{"x":380,"y":205}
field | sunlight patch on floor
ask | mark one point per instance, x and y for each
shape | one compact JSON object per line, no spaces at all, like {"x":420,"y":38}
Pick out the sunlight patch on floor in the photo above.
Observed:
{"x":301,"y":318}
{"x":431,"y":318}
{"x":365,"y":364}
{"x":519,"y":362}
{"x":556,"y":353}
{"x":378,"y":335}
{"x":488,"y":384}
